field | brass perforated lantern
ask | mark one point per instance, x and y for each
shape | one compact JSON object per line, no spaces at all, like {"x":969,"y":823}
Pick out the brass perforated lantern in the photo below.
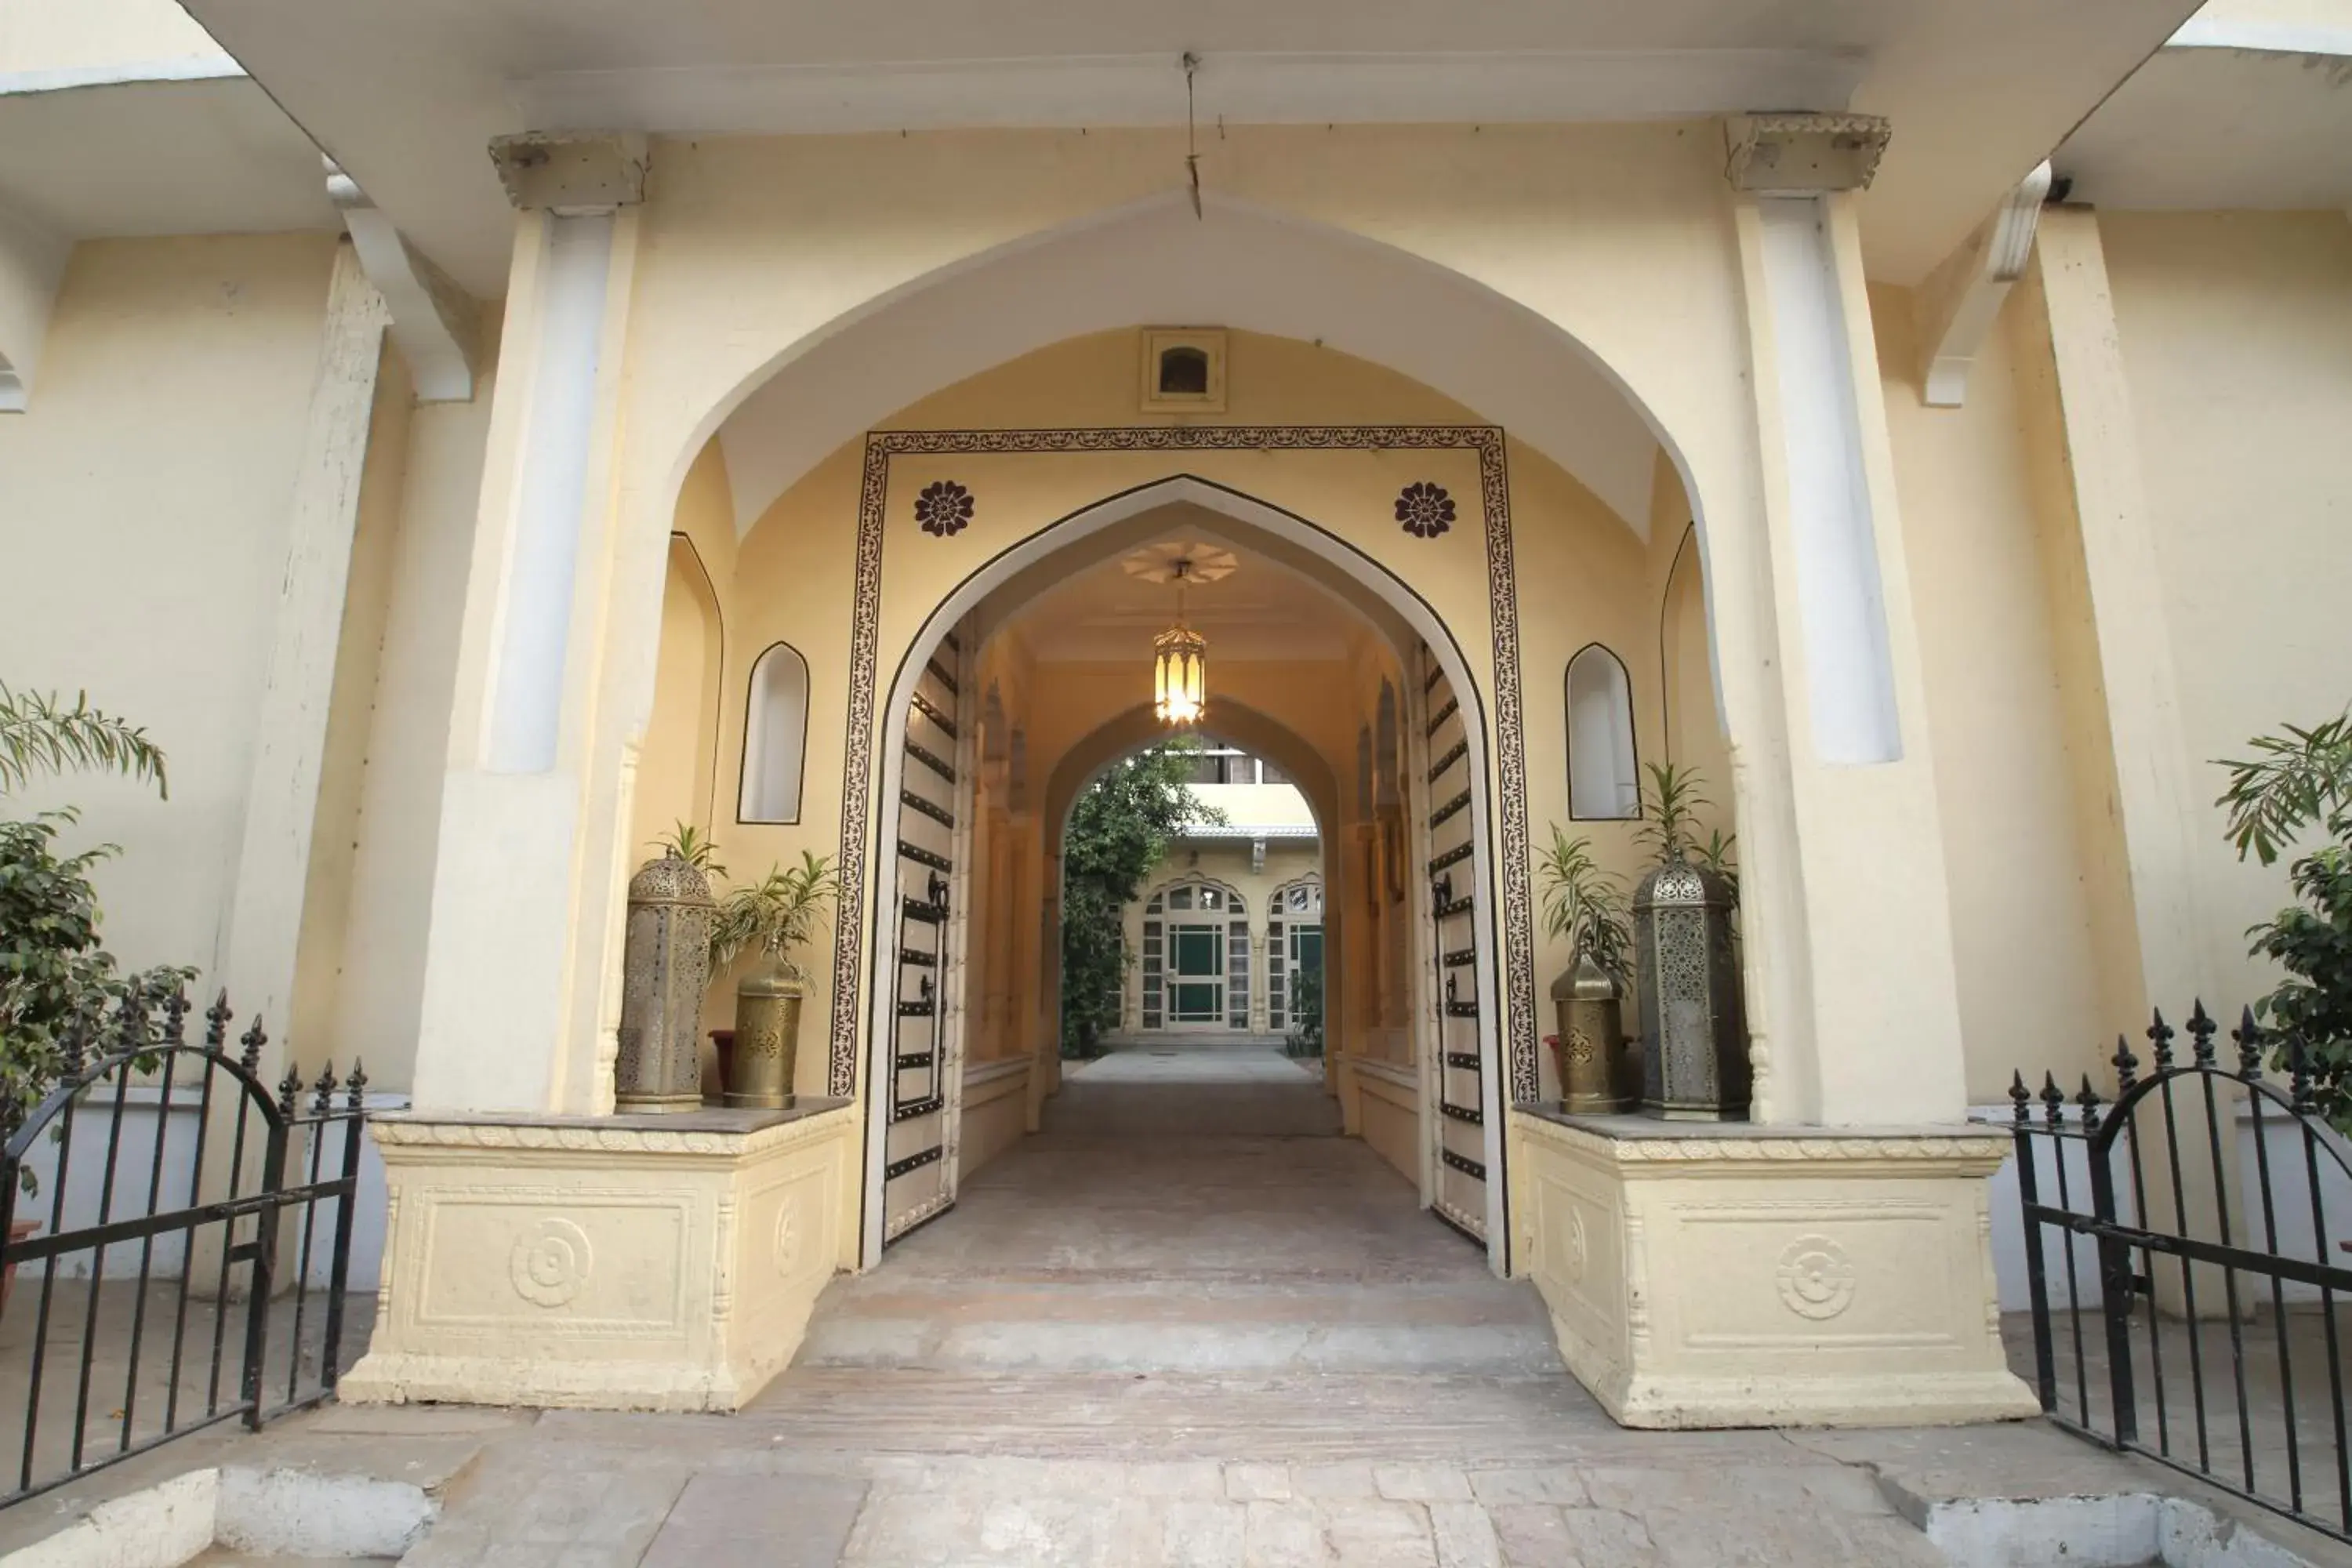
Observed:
{"x":1694,"y":1036}
{"x":1180,"y":677}
{"x":665,"y":964}
{"x":1179,"y":664}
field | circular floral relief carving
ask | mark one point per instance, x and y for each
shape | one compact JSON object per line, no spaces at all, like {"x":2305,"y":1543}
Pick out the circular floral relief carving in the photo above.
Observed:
{"x":1816,"y":1278}
{"x":944,"y":507}
{"x":550,"y":1262}
{"x":1425,"y":509}
{"x":788,"y":1239}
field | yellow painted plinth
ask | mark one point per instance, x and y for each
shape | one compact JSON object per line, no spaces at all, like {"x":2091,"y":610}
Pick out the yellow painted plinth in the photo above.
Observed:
{"x":1716,"y":1276}
{"x":614,"y":1263}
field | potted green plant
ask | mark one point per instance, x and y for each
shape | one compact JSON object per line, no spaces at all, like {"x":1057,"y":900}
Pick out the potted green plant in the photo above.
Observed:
{"x":1586,"y":904}
{"x":773,"y":917}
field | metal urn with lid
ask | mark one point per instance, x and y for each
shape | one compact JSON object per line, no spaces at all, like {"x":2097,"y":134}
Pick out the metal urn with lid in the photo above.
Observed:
{"x":1693,"y":1037}
{"x":1591,"y":1044}
{"x":665,"y":966}
{"x":767,"y":1037}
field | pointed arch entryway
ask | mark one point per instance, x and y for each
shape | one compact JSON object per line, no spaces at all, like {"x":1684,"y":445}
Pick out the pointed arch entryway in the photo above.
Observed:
{"x":1467,"y":886}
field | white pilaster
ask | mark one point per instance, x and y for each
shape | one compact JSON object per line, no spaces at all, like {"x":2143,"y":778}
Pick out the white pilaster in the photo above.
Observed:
{"x":1851,"y":938}
{"x":514,"y":981}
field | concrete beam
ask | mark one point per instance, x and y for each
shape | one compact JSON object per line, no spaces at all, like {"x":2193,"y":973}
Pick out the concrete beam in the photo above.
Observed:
{"x":433,"y":320}
{"x":1956,"y":305}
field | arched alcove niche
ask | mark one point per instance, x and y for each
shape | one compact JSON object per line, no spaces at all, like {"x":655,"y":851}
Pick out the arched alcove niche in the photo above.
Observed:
{"x":1603,"y":768}
{"x":775,"y":737}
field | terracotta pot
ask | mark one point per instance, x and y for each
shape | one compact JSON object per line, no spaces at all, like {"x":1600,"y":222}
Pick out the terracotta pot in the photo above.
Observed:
{"x":724,"y":1039}
{"x":17,"y":1231}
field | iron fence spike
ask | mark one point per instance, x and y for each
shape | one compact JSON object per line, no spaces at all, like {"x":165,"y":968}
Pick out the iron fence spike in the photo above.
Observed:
{"x":217,"y":1019}
{"x":2249,"y":1036}
{"x":253,"y":1039}
{"x":355,"y":1084}
{"x":323,"y":1092}
{"x":2126,"y":1065}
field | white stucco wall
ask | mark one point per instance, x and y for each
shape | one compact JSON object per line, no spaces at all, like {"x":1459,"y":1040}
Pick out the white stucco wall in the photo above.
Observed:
{"x":144,"y":503}
{"x":2237,"y":336}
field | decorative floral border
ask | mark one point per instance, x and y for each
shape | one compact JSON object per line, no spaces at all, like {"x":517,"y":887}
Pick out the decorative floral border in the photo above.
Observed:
{"x":1510,"y":736}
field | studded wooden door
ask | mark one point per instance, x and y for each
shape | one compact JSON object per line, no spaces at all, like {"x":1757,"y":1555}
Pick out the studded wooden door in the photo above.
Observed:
{"x":923,"y":1064}
{"x":1457,"y":1125}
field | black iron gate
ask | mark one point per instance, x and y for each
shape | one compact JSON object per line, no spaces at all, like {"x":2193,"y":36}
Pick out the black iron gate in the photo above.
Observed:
{"x":178,"y":1272}
{"x":2208,"y":1270}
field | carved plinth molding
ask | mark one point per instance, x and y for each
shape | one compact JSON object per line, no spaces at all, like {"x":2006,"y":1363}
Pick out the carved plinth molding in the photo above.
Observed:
{"x":1754,"y":1279}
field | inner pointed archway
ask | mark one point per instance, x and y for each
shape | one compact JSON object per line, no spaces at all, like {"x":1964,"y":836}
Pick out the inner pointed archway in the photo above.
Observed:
{"x":1325,"y":666}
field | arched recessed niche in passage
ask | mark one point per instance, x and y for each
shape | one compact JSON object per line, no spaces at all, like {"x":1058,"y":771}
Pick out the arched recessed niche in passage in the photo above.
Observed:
{"x":1603,"y":777}
{"x":775,"y":737}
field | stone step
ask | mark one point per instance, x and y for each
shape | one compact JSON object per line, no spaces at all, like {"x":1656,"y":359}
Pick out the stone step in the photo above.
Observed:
{"x":1189,"y":1326}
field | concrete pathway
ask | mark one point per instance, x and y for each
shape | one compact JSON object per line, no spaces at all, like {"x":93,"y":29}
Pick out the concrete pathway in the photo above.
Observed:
{"x":1184,"y":1212}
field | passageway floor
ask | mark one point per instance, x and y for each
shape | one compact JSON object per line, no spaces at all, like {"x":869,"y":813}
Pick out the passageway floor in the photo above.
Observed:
{"x":1186,"y":1323}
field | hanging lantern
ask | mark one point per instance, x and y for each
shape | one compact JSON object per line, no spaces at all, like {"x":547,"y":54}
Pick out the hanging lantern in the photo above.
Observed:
{"x":1180,"y":666}
{"x":1180,"y":672}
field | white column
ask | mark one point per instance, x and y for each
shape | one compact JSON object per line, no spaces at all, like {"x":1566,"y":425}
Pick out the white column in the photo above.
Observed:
{"x":281,"y":798}
{"x":1849,"y":937}
{"x":515,"y":980}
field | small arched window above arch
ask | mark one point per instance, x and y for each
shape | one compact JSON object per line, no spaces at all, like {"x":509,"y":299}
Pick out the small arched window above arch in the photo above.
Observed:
{"x":1603,"y":777}
{"x":775,"y":737}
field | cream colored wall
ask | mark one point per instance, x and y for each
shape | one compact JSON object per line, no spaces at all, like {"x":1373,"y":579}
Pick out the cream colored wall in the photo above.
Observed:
{"x":2237,"y":336}
{"x":674,"y":765}
{"x":1258,"y":804}
{"x":2022,"y":949}
{"x":144,"y":498}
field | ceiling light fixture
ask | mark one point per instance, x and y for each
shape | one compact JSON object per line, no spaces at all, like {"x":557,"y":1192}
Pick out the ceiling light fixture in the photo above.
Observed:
{"x":1180,"y":665}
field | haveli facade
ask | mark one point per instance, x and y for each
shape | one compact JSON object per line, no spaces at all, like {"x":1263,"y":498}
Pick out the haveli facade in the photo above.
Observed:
{"x":694,"y":421}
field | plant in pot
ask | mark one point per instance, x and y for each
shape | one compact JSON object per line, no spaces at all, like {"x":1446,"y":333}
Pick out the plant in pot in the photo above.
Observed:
{"x":1585,"y":903}
{"x":773,"y":917}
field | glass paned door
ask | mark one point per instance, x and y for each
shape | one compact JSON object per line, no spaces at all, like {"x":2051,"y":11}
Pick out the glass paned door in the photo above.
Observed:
{"x":1198,"y":988}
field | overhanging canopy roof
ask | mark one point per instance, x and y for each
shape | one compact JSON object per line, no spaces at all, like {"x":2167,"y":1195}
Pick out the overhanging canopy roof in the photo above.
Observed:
{"x":407,"y":93}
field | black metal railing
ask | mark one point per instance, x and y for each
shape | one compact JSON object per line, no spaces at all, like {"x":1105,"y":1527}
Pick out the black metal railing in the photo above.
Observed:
{"x":178,"y":1272}
{"x":2208,"y":1269}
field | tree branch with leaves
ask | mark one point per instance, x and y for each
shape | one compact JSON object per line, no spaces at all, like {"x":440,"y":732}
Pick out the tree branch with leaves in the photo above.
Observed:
{"x":39,"y":735}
